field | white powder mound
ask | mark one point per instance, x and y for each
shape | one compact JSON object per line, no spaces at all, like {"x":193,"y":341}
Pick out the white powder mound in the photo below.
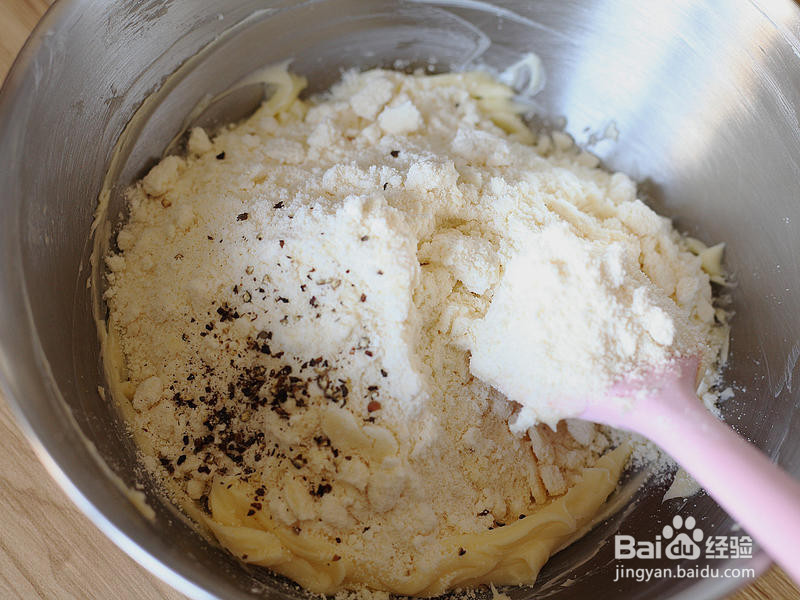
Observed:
{"x":576,"y":312}
{"x":314,"y":310}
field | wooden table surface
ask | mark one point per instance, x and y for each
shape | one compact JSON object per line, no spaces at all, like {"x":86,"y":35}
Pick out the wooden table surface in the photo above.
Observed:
{"x":48,"y":549}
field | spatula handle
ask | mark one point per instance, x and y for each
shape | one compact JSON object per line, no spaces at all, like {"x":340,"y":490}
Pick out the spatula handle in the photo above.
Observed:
{"x":763,"y":499}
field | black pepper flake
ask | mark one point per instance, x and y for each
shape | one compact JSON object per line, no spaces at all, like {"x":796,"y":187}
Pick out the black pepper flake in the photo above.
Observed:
{"x":522,"y":516}
{"x":242,"y":216}
{"x":190,"y":377}
{"x":321,"y":490}
{"x":251,"y":512}
{"x":338,"y":540}
{"x":395,"y":153}
{"x":221,"y":156}
{"x":185,"y":440}
{"x":167,"y":465}
{"x":313,"y":302}
{"x":278,"y":205}
{"x":484,"y":512}
{"x":363,"y":297}
{"x":364,"y":238}
{"x":385,"y":185}
{"x":256,"y":505}
{"x":299,"y":461}
{"x":281,"y":242}
{"x":226,"y":313}
{"x":384,"y":372}
{"x":181,"y":460}
{"x":461,"y":552}
{"x":203,"y":469}
{"x":202,"y":442}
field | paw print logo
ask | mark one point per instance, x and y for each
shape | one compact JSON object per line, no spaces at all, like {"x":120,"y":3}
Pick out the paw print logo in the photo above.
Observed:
{"x":684,"y":538}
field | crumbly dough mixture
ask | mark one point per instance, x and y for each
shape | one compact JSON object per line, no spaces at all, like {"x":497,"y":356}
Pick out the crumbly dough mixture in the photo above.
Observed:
{"x":295,"y":304}
{"x":589,"y":302}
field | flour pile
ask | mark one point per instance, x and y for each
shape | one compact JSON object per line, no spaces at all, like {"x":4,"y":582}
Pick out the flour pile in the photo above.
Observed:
{"x":312,"y":313}
{"x":576,"y":312}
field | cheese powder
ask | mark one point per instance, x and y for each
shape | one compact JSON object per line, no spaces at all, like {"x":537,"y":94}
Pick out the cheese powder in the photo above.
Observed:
{"x":313,"y":309}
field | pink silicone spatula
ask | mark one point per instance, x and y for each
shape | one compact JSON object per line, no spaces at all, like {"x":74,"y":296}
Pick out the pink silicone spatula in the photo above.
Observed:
{"x":762,"y":498}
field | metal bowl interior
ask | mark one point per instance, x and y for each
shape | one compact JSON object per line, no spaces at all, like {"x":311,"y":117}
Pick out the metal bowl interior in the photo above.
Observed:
{"x":703,"y":95}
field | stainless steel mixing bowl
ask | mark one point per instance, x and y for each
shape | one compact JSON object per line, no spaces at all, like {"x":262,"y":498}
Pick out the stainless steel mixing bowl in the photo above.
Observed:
{"x":705,"y":97}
